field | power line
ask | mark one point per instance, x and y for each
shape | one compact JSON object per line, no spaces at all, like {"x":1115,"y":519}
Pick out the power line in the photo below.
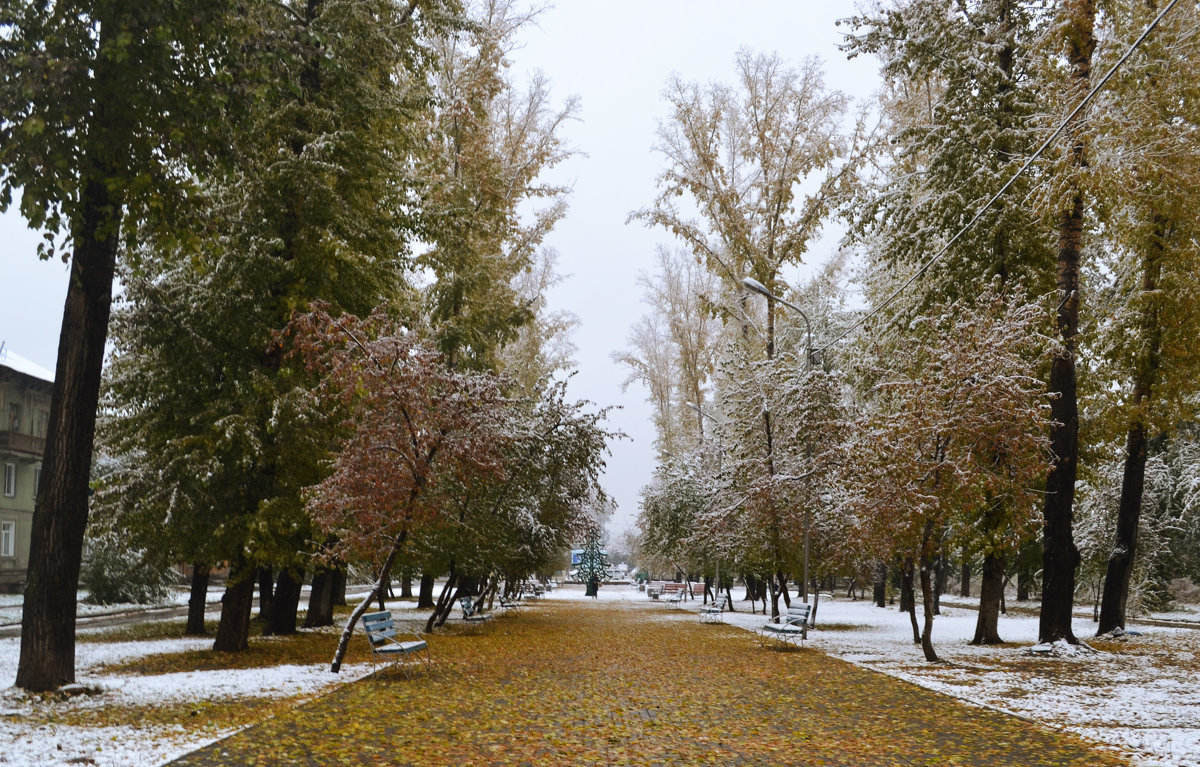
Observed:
{"x":983,"y":209}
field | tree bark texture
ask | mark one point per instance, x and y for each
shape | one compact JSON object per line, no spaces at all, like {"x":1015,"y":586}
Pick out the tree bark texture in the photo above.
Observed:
{"x":991,"y":591}
{"x":927,"y":599}
{"x":1060,"y":557}
{"x":338,"y":596}
{"x":285,"y":603}
{"x":879,"y":588}
{"x":266,"y":593}
{"x":425,"y":592}
{"x":1133,"y":481}
{"x":908,"y":602}
{"x":233,"y":632}
{"x":320,"y":600}
{"x":198,"y":600}
{"x":47,"y":659}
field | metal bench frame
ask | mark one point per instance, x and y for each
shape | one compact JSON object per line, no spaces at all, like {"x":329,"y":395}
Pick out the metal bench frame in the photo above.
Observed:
{"x":714,"y":611}
{"x":472,"y":616}
{"x":382,"y":633}
{"x":792,"y":624}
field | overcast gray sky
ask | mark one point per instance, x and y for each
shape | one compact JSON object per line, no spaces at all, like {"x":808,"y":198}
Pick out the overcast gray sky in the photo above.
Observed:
{"x":616,"y":56}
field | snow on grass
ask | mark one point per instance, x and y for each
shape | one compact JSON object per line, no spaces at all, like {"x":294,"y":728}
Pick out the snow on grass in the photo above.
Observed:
{"x":1138,"y":694}
{"x":27,"y":722}
{"x":10,"y":605}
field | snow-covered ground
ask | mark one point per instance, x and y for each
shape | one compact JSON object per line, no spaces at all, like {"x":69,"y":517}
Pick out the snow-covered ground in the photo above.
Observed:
{"x":1140,"y":695}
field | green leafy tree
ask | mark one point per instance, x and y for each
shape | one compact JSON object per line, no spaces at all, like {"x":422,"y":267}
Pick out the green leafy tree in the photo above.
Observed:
{"x":109,"y":111}
{"x":1146,"y":173}
{"x":319,"y":206}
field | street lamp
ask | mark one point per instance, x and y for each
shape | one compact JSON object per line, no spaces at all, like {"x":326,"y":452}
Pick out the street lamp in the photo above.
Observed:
{"x":755,"y":286}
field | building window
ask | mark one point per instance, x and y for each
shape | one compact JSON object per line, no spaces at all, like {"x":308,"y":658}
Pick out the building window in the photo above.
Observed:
{"x":10,"y":479}
{"x":37,"y":481}
{"x":14,"y":417}
{"x":8,"y":539}
{"x":39,"y":427}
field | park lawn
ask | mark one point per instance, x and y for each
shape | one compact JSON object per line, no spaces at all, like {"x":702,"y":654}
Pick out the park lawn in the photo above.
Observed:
{"x":597,"y":683}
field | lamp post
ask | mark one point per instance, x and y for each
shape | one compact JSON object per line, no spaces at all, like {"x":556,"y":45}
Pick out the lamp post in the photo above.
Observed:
{"x":755,"y":286}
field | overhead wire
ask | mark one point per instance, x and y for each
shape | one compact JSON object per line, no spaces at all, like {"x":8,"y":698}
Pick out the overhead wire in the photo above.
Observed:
{"x":1028,"y":163}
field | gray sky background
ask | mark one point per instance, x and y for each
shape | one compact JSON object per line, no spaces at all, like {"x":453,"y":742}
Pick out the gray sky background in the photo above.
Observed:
{"x":616,"y":56}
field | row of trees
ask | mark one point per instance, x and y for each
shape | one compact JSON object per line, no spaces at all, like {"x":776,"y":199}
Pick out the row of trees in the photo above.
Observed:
{"x":332,"y":346}
{"x":949,"y":425}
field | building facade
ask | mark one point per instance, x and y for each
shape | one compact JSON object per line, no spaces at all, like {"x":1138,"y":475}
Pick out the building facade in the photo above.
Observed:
{"x":24,"y":413}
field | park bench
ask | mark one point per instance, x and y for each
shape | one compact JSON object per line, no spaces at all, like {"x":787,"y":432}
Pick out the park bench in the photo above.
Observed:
{"x":472,"y":615}
{"x":512,"y":603}
{"x":672,"y":593}
{"x":792,"y":624}
{"x":654,"y":588}
{"x":713,"y":612}
{"x":383,"y":634}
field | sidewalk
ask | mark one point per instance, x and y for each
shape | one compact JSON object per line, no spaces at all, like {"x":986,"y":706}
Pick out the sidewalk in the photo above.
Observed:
{"x":568,"y":683}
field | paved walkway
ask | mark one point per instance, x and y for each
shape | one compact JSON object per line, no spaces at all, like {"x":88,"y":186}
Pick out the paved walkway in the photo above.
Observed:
{"x":575,"y":683}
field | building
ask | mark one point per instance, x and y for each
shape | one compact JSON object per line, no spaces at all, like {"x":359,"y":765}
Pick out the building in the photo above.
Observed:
{"x":24,"y":413}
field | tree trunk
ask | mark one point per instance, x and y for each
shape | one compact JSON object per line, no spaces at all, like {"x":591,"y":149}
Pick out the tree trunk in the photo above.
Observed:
{"x":233,"y":632}
{"x":927,"y":598}
{"x":425,"y":595}
{"x":879,"y":588}
{"x":965,"y":577}
{"x":47,"y":658}
{"x":197,"y":600}
{"x":338,"y":595}
{"x":1133,"y":482}
{"x":406,"y":586}
{"x":1060,"y":557}
{"x":443,"y":600}
{"x":991,"y":591}
{"x":284,"y":604}
{"x":320,"y":600}
{"x":1029,"y":559}
{"x":266,"y":585}
{"x":773,"y":587}
{"x":348,"y":631}
{"x":941,"y":574}
{"x":908,"y":599}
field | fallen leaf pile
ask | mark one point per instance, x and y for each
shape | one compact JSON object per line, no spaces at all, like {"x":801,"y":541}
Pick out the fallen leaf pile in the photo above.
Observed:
{"x":590,"y":683}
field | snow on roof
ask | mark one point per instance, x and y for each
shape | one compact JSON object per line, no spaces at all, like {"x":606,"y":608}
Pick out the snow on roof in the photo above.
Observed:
{"x":14,"y":361}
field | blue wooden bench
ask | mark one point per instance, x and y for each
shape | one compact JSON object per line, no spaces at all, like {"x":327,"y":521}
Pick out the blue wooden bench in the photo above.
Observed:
{"x":383,"y":634}
{"x":473,"y":616}
{"x":792,"y":625}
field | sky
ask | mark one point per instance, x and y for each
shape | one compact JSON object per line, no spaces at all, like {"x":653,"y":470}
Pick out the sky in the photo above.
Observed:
{"x":616,"y":57}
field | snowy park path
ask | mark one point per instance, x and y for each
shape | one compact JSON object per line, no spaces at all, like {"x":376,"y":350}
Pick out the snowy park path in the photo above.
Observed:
{"x":571,"y":682}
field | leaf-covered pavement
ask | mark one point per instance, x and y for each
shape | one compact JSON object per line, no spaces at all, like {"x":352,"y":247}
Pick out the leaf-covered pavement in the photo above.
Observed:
{"x":594,"y":683}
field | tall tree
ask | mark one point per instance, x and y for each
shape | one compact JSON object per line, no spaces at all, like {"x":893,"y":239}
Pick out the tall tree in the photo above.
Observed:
{"x":485,"y":210}
{"x":317,"y":207}
{"x":108,"y":110}
{"x":960,"y":106}
{"x":1148,"y":165}
{"x":1060,"y":557}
